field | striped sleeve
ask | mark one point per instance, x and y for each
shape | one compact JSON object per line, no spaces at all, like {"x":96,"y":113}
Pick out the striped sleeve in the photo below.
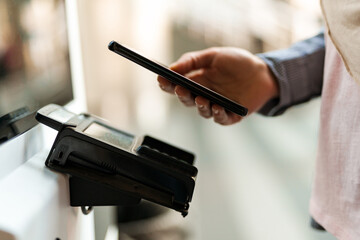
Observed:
{"x":299,"y":72}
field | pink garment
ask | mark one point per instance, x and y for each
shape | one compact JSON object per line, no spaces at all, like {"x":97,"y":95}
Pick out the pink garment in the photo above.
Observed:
{"x":335,"y":201}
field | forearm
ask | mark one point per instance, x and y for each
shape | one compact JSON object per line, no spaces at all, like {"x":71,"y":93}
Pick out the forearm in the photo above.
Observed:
{"x":298,"y":71}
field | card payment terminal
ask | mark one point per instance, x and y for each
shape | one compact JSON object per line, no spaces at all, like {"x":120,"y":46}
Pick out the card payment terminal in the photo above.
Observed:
{"x":105,"y":163}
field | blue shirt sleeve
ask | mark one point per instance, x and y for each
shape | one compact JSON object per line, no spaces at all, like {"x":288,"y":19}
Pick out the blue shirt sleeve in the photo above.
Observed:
{"x":299,"y":72}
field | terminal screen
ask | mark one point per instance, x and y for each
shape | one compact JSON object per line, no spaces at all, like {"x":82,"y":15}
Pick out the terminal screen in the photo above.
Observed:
{"x":110,"y":136}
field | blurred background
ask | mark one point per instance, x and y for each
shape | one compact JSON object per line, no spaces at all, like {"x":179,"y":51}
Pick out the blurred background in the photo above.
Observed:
{"x":255,"y":177}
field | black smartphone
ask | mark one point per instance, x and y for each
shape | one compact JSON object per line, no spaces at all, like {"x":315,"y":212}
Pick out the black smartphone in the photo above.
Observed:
{"x":178,"y":79}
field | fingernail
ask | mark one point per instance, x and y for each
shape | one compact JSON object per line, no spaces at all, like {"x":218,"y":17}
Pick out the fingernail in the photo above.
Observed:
{"x":200,"y":106}
{"x":161,"y":86}
{"x":181,"y":98}
{"x":216,"y":111}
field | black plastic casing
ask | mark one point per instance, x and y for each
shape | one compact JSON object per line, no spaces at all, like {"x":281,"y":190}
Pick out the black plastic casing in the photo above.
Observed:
{"x":151,"y":169}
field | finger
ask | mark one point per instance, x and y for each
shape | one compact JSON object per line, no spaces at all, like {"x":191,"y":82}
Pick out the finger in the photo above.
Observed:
{"x":233,"y":118}
{"x":185,"y":96}
{"x":204,"y":107}
{"x":219,"y":114}
{"x":165,"y":85}
{"x":194,"y":60}
{"x":223,"y":117}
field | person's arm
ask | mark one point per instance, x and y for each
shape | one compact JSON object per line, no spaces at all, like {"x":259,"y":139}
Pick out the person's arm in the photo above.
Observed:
{"x":298,"y":71}
{"x":268,"y":83}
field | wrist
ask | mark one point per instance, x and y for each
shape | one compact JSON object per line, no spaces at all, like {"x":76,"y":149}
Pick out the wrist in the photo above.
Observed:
{"x":270,"y":82}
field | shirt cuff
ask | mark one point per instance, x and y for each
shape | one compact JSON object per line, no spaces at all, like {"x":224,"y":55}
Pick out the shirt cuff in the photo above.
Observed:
{"x":298,"y":71}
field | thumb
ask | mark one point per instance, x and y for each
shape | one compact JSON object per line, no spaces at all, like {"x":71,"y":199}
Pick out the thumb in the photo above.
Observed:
{"x":194,"y":60}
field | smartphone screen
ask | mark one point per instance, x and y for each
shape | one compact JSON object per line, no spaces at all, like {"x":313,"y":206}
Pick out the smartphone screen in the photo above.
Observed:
{"x":178,"y":79}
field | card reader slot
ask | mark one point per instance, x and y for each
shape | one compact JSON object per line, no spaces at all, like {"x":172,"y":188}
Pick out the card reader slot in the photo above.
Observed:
{"x":166,"y":160}
{"x":81,"y":162}
{"x":168,"y":149}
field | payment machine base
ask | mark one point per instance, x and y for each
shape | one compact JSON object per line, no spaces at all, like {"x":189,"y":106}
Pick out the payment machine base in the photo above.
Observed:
{"x":86,"y":193}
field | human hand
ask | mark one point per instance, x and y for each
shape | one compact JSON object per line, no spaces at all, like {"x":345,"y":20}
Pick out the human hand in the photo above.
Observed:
{"x":235,"y":73}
